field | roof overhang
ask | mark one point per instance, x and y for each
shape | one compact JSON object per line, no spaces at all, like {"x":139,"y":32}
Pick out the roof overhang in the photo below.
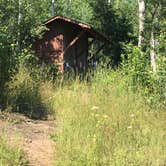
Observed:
{"x":93,"y":33}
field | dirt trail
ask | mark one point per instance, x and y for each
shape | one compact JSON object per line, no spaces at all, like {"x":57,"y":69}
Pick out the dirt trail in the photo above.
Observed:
{"x":35,"y":138}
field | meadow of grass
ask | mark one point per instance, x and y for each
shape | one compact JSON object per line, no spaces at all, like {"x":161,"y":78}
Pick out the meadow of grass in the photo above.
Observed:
{"x":105,"y":123}
{"x":9,"y":155}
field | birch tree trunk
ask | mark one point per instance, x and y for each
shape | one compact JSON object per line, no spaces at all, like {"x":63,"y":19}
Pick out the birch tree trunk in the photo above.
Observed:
{"x":141,"y":9}
{"x":153,"y":41}
{"x":53,"y":7}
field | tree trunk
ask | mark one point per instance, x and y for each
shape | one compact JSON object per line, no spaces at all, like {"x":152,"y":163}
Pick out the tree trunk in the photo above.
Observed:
{"x":153,"y":55}
{"x":141,"y":7}
{"x":53,"y":7}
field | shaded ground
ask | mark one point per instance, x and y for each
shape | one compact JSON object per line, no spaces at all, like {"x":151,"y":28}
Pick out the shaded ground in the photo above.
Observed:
{"x":34,"y":136}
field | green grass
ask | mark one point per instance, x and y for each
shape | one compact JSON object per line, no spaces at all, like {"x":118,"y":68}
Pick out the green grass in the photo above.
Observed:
{"x":25,"y":93}
{"x":10,"y":156}
{"x":99,"y":123}
{"x":105,"y":123}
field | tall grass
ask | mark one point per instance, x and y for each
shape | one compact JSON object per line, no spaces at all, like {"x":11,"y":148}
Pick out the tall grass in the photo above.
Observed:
{"x":28,"y":92}
{"x":102,"y":122}
{"x":10,"y":156}
{"x":105,"y":123}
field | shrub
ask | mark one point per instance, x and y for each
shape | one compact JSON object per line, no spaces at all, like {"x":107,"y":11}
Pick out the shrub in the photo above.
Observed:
{"x":135,"y":64}
{"x":136,"y":67}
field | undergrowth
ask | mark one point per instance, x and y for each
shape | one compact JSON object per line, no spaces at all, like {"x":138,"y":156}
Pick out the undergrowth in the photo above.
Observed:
{"x":28,"y":92}
{"x":11,"y":156}
{"x":105,"y":123}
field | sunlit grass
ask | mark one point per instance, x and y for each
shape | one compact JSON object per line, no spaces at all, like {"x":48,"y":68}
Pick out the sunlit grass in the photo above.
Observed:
{"x":101,"y":122}
{"x":106,"y":124}
{"x":11,"y":155}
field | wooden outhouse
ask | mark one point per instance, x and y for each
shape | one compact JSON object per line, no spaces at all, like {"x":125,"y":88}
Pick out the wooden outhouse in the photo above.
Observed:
{"x":66,"y":42}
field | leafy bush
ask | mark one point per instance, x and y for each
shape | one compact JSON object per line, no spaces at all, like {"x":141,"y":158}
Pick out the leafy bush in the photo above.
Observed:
{"x":136,"y":67}
{"x":161,"y":61}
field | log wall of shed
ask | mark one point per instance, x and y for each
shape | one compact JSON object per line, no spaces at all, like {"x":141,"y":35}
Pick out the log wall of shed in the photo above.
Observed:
{"x":54,"y":42}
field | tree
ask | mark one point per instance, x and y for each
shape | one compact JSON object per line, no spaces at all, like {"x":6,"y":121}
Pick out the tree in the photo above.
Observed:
{"x":76,"y":9}
{"x":155,"y":17}
{"x":141,"y":9}
{"x":115,"y":24}
{"x":149,"y":29}
{"x":18,"y":20}
{"x":53,"y":7}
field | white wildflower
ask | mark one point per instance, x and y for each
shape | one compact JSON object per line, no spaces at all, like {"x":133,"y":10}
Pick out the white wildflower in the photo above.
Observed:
{"x":94,"y":108}
{"x":132,"y":115}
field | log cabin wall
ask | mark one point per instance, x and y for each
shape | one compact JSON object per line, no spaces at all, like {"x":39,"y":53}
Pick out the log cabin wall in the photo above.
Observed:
{"x":50,"y":48}
{"x":56,"y":40}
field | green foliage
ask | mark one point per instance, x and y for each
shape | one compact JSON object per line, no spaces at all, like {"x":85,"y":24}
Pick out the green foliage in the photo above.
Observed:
{"x":16,"y":34}
{"x":161,"y":48}
{"x":76,"y":9}
{"x":24,"y":92}
{"x":10,"y":156}
{"x":4,"y":71}
{"x":135,"y":63}
{"x":161,"y":61}
{"x":114,"y":24}
{"x":136,"y":68}
{"x":106,"y":124}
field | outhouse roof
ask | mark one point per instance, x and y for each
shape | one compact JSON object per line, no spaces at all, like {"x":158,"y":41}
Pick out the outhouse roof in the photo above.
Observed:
{"x":89,"y":29}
